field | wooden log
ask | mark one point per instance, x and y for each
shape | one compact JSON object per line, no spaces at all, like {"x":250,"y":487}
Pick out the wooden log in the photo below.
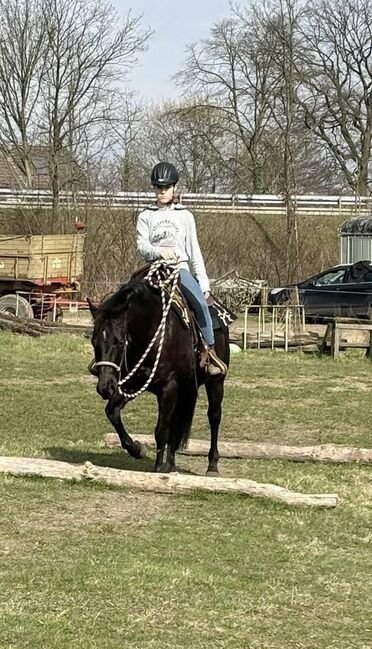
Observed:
{"x":36,"y":328}
{"x":12,"y":324}
{"x":161,"y":482}
{"x":252,"y":450}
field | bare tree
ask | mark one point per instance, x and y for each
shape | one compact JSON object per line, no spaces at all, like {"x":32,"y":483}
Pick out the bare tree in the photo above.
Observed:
{"x":127,"y":126}
{"x":192,"y":135}
{"x":22,"y":56}
{"x":232,"y":70}
{"x":281,"y":19}
{"x":110,"y":153}
{"x":336,"y":97}
{"x":87,"y":54}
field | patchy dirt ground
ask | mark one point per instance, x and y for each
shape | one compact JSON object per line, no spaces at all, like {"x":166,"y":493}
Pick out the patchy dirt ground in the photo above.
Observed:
{"x":91,"y":509}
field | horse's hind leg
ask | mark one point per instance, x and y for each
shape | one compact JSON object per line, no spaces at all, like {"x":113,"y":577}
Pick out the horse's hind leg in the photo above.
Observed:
{"x":167,"y":400}
{"x":134,"y":448}
{"x":214,"y":390}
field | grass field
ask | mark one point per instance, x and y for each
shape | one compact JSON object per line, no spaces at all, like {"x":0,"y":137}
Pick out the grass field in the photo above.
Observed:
{"x":83,"y":566}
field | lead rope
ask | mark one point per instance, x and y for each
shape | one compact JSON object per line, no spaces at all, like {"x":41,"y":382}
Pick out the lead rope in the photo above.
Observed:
{"x":171,"y":280}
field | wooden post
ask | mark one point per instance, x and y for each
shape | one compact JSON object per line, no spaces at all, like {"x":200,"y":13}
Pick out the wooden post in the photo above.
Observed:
{"x":335,"y":340}
{"x":369,"y":350}
{"x":286,"y":329}
{"x":245,"y":328}
{"x":295,"y":311}
{"x":259,"y":328}
{"x":263,"y":322}
{"x":328,"y":331}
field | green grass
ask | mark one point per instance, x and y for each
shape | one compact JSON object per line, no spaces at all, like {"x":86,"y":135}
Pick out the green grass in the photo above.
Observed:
{"x":83,"y":566}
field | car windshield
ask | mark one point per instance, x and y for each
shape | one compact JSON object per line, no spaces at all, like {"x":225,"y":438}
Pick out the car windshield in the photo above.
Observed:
{"x":332,"y":277}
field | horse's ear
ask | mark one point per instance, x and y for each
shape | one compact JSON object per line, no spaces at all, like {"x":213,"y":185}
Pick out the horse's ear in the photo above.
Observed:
{"x":92,"y":307}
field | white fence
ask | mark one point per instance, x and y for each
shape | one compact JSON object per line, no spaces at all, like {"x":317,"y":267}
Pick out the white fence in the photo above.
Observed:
{"x":246,"y":203}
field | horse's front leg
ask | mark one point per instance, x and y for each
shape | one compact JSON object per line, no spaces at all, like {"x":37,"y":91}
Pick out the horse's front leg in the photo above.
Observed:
{"x":214,"y":390}
{"x":112,"y":410}
{"x":164,"y":431}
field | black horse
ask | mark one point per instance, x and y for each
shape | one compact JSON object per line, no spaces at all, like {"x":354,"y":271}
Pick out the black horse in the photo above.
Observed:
{"x":124,"y":325}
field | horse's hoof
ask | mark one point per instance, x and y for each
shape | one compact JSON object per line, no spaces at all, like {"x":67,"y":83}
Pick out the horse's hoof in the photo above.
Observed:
{"x":142,"y":450}
{"x":212,"y":473}
{"x":166,"y":468}
{"x":137,"y":450}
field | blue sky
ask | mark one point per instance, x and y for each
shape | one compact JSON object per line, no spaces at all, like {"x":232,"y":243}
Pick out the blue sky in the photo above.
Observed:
{"x":176,"y":23}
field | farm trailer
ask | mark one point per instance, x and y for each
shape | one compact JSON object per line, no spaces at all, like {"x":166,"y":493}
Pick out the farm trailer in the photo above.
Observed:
{"x":39,"y":272}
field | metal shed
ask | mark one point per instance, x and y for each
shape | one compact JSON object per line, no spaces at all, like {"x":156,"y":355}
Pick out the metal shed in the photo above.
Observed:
{"x":356,"y":240}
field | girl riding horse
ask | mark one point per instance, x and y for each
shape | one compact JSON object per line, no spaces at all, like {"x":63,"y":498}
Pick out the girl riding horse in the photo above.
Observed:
{"x":167,"y":231}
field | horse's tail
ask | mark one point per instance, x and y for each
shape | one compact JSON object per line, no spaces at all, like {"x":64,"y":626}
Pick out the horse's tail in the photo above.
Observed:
{"x":188,"y":393}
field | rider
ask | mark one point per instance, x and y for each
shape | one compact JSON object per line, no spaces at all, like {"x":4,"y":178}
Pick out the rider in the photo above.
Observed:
{"x":167,"y":231}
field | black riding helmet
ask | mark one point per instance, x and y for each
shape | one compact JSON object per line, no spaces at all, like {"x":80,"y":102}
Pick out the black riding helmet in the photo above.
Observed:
{"x":164,"y":174}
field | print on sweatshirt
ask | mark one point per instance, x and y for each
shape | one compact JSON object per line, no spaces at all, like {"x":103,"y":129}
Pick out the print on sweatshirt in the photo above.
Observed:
{"x":165,"y":233}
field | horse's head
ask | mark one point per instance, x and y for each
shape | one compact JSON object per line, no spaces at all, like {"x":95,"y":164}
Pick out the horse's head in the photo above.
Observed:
{"x":123,"y":317}
{"x":108,"y":341}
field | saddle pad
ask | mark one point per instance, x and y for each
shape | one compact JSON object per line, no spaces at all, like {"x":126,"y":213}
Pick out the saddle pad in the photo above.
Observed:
{"x":220,"y":314}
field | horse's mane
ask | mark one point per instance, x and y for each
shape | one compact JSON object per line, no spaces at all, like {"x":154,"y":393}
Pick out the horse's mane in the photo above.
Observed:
{"x":116,"y":304}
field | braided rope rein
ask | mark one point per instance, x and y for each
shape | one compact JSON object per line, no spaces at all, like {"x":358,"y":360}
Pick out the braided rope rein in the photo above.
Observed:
{"x":171,"y":280}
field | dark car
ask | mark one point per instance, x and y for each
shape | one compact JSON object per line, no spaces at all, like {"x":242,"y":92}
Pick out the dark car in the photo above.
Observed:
{"x":342,"y":291}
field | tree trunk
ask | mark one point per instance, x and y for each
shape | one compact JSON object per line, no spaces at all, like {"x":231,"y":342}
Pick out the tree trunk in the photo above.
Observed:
{"x":320,"y":453}
{"x":161,"y":482}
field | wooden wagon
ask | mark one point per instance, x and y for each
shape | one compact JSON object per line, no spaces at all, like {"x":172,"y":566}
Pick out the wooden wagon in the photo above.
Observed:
{"x":37,"y":272}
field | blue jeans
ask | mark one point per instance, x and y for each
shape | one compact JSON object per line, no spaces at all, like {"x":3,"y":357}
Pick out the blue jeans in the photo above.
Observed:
{"x":195,"y":298}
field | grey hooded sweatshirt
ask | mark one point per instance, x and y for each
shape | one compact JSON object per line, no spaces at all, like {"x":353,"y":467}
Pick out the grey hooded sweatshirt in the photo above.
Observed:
{"x":172,"y":227}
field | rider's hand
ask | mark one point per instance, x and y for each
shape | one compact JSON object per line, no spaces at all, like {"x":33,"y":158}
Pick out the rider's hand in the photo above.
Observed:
{"x":168,"y":254}
{"x":208,"y":298}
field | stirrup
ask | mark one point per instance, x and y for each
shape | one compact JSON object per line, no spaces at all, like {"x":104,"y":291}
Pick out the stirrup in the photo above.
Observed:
{"x":213,"y":370}
{"x":209,"y":360}
{"x":216,"y":362}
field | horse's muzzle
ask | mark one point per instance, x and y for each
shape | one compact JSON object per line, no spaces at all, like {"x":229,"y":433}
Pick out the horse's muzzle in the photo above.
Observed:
{"x":107,"y":384}
{"x":106,"y":391}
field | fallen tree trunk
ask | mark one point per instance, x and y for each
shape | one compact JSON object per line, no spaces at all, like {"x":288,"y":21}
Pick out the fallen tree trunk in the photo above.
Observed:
{"x":17,"y":325}
{"x":33,"y":327}
{"x":161,"y":482}
{"x":253,"y":450}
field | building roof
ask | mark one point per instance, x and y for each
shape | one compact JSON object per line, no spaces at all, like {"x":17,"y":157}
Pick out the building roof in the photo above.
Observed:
{"x":11,"y":176}
{"x":361,"y":225}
